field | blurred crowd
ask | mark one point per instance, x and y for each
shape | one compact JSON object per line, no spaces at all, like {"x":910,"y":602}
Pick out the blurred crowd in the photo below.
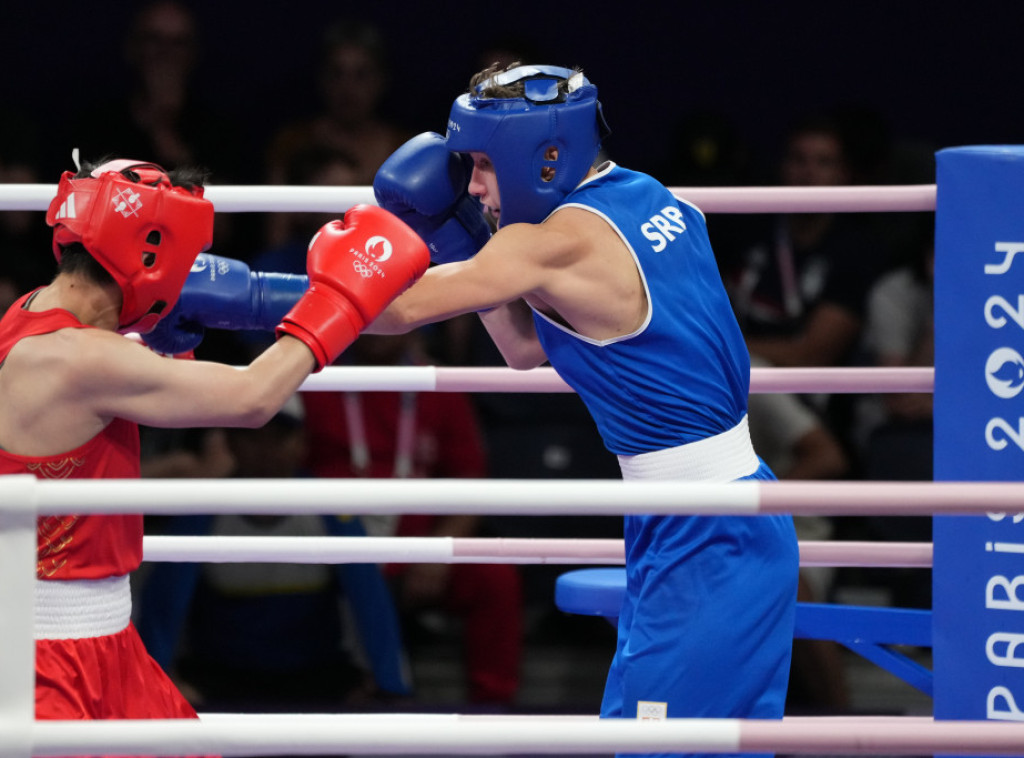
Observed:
{"x":809,"y":290}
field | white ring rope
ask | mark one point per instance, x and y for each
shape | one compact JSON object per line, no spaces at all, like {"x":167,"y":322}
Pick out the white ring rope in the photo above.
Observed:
{"x":273,"y":198}
{"x":537,"y":497}
{"x":447,"y":734}
{"x":494,"y":379}
{"x":248,"y":549}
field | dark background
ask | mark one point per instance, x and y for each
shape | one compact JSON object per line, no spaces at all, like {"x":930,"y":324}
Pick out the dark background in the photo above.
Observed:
{"x":933,"y":74}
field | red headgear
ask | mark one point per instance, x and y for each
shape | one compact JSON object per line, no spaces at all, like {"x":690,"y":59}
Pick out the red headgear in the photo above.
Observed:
{"x":145,"y":232}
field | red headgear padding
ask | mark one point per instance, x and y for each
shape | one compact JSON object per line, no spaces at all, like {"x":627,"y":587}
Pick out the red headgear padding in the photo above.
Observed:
{"x":145,"y":232}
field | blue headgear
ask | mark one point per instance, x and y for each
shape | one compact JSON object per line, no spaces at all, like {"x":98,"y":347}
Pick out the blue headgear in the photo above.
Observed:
{"x":516,"y":132}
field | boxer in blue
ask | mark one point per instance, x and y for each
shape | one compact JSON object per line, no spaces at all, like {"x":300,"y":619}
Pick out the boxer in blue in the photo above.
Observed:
{"x":604,"y":273}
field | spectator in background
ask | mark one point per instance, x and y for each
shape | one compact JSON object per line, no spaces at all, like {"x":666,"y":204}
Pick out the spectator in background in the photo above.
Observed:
{"x":256,"y":637}
{"x":900,"y":332}
{"x":314,"y":165}
{"x":415,"y":435}
{"x":799,"y":283}
{"x":799,"y":288}
{"x":794,"y":441}
{"x":164,"y":114}
{"x":353,"y":78}
{"x":540,"y":436}
{"x":894,"y":431}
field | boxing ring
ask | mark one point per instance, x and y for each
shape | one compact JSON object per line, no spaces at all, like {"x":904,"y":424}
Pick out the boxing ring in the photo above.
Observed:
{"x":24,"y":498}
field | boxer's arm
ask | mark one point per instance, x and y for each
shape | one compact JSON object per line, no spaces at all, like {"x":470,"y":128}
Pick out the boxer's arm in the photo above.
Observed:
{"x":512,"y":330}
{"x":356,"y":268}
{"x":223,"y":293}
{"x":94,"y":375}
{"x":144,"y":387}
{"x":492,"y":284}
{"x":501,"y":272}
{"x":70,"y":384}
{"x":510,"y":326}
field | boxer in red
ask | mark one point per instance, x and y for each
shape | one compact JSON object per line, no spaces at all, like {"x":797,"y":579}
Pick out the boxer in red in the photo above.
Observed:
{"x":73,"y":390}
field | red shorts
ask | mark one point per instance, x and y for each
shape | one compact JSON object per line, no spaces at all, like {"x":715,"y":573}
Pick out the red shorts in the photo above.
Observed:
{"x":109,"y":677}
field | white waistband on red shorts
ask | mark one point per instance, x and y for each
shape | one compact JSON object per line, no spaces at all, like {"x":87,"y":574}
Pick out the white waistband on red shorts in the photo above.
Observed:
{"x":723,"y":458}
{"x":79,"y":608}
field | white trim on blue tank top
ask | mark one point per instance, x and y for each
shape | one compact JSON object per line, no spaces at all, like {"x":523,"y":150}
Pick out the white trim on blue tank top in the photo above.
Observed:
{"x":636,"y":261}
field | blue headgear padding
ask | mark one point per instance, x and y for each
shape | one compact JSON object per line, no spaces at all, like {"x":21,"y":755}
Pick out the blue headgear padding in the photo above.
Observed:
{"x":516,"y":132}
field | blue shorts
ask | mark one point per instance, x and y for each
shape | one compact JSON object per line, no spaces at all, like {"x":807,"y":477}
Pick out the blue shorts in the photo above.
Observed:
{"x":706,"y":625}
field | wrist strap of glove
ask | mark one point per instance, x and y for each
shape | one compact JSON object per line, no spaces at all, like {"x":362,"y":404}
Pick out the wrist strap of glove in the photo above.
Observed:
{"x":325,"y":321}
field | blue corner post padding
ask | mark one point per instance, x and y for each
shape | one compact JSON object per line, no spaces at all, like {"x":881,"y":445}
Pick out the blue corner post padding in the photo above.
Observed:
{"x":865,"y":630}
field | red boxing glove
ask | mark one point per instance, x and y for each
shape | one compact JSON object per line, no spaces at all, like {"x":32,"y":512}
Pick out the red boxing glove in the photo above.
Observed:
{"x":356,"y":268}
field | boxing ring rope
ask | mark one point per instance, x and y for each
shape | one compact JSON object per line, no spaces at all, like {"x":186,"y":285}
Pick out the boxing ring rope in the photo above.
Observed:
{"x":536,"y":497}
{"x":274,"y":198}
{"x":226,"y":549}
{"x":452,"y":734}
{"x":230,"y":735}
{"x":544,"y":379}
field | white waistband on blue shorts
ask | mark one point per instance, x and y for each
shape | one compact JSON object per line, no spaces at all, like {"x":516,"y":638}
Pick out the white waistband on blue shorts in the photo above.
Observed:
{"x":723,"y":458}
{"x":79,"y":608}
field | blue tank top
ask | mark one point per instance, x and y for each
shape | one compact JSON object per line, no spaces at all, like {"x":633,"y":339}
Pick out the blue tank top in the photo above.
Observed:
{"x":684,"y":375}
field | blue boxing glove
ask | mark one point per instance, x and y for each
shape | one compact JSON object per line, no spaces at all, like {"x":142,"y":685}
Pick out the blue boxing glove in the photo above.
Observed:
{"x":425,"y":185}
{"x":223,"y":293}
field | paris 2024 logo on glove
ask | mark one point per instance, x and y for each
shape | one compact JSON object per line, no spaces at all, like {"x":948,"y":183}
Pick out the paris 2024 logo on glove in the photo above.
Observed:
{"x":367,"y":261}
{"x":376,"y":250}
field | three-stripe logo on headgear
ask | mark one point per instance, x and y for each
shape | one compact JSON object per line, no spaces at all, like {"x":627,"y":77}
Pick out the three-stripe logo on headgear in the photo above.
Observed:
{"x":67,"y":208}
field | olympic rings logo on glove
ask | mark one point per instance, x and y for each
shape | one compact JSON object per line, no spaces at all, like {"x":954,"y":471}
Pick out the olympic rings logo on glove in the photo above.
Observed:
{"x":362,"y":269}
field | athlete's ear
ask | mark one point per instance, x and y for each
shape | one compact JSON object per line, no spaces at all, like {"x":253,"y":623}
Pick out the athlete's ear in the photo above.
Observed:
{"x":548,"y":173}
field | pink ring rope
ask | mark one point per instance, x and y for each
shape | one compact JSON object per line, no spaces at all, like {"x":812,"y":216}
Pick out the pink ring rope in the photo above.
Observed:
{"x":494,"y":379}
{"x":852,"y":199}
{"x":812,"y":552}
{"x":487,"y":550}
{"x":265,"y":199}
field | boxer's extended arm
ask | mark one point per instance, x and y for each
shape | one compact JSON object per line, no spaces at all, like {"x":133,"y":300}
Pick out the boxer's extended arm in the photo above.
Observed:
{"x":223,"y":293}
{"x":492,"y":283}
{"x":422,"y":183}
{"x":510,"y":325}
{"x":71,"y":383}
{"x":65,"y":387}
{"x":572,"y":267}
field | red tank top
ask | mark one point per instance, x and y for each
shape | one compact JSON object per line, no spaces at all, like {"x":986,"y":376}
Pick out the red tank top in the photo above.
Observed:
{"x":77,"y":547}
